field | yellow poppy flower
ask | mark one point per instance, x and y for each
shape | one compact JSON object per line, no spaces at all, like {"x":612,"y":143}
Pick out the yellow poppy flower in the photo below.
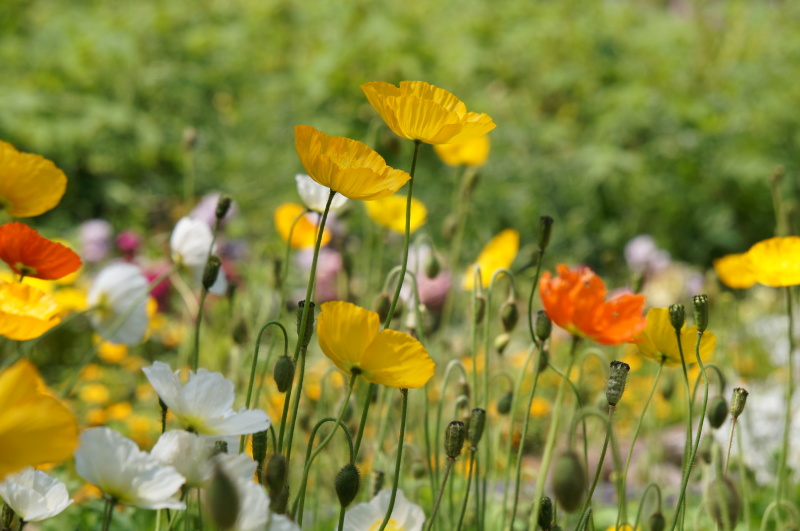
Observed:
{"x":346,"y":166}
{"x":735,"y":271}
{"x":35,"y":426}
{"x":658,"y":341}
{"x":419,"y":111}
{"x":470,"y":153}
{"x":499,"y":253}
{"x":776,"y":261}
{"x":31,"y":184}
{"x":305,"y":231}
{"x":390,"y":212}
{"x":25,"y":312}
{"x":350,"y":336}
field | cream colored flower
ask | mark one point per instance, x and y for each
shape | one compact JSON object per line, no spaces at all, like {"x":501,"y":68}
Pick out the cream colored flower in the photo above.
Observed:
{"x":33,"y":495}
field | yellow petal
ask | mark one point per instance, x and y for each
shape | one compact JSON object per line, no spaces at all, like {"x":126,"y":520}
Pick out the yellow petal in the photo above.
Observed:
{"x":396,"y":359}
{"x":304,"y":234}
{"x":735,"y":271}
{"x":30,"y":184}
{"x":776,"y":262}
{"x":25,"y":312}
{"x":470,"y":153}
{"x":499,"y":253}
{"x":345,"y":331}
{"x":390,"y":212}
{"x":658,"y":340}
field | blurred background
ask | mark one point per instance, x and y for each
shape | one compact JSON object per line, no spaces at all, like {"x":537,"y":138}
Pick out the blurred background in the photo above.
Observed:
{"x":617,"y":118}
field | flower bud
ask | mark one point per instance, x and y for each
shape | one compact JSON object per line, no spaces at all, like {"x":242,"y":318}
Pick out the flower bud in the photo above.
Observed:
{"x":239,"y":332}
{"x":501,"y":342}
{"x":616,"y":381}
{"x":432,"y":266}
{"x":381,"y":305}
{"x":305,"y":336}
{"x":738,"y":401}
{"x":657,"y":522}
{"x":723,"y":502}
{"x":348,"y":481}
{"x":463,"y":388}
{"x":545,"y":229}
{"x":667,"y":388}
{"x":454,"y":436}
{"x":700,"y":304}
{"x":569,"y":481}
{"x":546,"y":513}
{"x":223,"y":205}
{"x":544,"y":326}
{"x":706,"y":449}
{"x":379,"y":478}
{"x":279,"y":502}
{"x":223,"y":499}
{"x":276,"y":474}
{"x":504,"y":404}
{"x":418,"y":470}
{"x":211,"y":271}
{"x":480,"y":309}
{"x":677,"y":316}
{"x":7,"y":516}
{"x":260,"y":447}
{"x":544,"y":361}
{"x":509,"y":315}
{"x":717,"y":411}
{"x":450,"y":226}
{"x":283,"y":373}
{"x":477,"y":423}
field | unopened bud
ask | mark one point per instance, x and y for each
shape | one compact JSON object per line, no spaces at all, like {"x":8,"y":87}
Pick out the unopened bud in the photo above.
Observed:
{"x":305,"y":336}
{"x":381,"y":305}
{"x":657,"y":522}
{"x":509,"y":315}
{"x":239,"y":332}
{"x":723,"y":502}
{"x":477,"y":423}
{"x":454,"y":436}
{"x":569,"y":481}
{"x":717,"y":411}
{"x":677,"y":316}
{"x":432,"y":266}
{"x":348,"y":481}
{"x":283,"y":373}
{"x":279,"y":502}
{"x":379,"y":478}
{"x":501,"y":342}
{"x":706,"y":449}
{"x":480,"y":309}
{"x":637,"y":283}
{"x":260,"y":447}
{"x":504,"y":404}
{"x":223,"y":499}
{"x":463,"y":388}
{"x":700,"y":304}
{"x":276,"y":473}
{"x":667,"y":388}
{"x":546,"y":513}
{"x":738,"y":401}
{"x":223,"y":206}
{"x":211,"y":271}
{"x":545,"y":229}
{"x":418,"y":470}
{"x":544,"y":326}
{"x":617,"y":377}
{"x":544,"y":360}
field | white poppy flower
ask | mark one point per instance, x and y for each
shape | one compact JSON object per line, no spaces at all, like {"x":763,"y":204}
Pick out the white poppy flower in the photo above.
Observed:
{"x":120,"y":289}
{"x":34,"y":495}
{"x":116,"y":466}
{"x":405,"y":515}
{"x":280,"y":522}
{"x":205,"y":404}
{"x":190,"y":241}
{"x":254,"y":513}
{"x":315,"y":196}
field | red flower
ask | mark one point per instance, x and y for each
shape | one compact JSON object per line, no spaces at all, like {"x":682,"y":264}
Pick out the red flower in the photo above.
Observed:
{"x":32,"y":255}
{"x":575,"y":301}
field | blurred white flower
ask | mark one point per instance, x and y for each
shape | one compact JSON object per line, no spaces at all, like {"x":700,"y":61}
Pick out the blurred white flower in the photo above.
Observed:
{"x":116,"y":466}
{"x":205,"y":404}
{"x":405,"y":516}
{"x":34,"y":495}
{"x":315,"y":196}
{"x":95,"y":238}
{"x":206,"y":210}
{"x":189,"y":244}
{"x":254,"y":513}
{"x":120,"y":290}
{"x":644,"y":257}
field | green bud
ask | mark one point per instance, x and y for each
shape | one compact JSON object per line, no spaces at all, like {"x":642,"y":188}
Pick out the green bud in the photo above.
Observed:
{"x":545,"y":229}
{"x":432,"y":266}
{"x":378,"y":479}
{"x":501,"y":342}
{"x":706,"y":450}
{"x":348,"y":481}
{"x":544,"y":326}
{"x":418,"y":470}
{"x":276,"y":474}
{"x":239,"y":332}
{"x":381,"y":305}
{"x":738,"y":401}
{"x":546,"y":513}
{"x":677,"y":316}
{"x":544,"y":360}
{"x":504,"y":404}
{"x":223,"y":205}
{"x":260,"y":447}
{"x":283,"y":373}
{"x":509,"y":315}
{"x":454,"y":436}
{"x":717,"y":411}
{"x":477,"y":423}
{"x":617,"y":377}
{"x":657,"y":522}
{"x":667,"y":388}
{"x":211,"y":271}
{"x":723,"y":501}
{"x":480,"y":309}
{"x":305,"y":336}
{"x":700,"y":304}
{"x":279,"y":502}
{"x":223,"y":499}
{"x":568,"y":481}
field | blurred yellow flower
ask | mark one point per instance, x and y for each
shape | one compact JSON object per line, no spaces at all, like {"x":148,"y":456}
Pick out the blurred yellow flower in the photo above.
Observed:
{"x":35,"y":426}
{"x":499,"y":253}
{"x":96,"y":416}
{"x":94,"y":393}
{"x":70,"y":300}
{"x":119,"y":411}
{"x":346,"y":166}
{"x":112,"y":353}
{"x":735,"y":271}
{"x":774,"y":262}
{"x":304,"y":234}
{"x":540,"y":407}
{"x":91,"y":371}
{"x":25,"y":312}
{"x":420,"y":111}
{"x":31,"y":184}
{"x":659,"y":342}
{"x":390,"y":212}
{"x":473,"y":152}
{"x":350,"y":336}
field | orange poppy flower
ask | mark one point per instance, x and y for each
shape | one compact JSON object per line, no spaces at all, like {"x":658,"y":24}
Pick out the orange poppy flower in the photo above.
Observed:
{"x":575,"y":301}
{"x":32,"y":255}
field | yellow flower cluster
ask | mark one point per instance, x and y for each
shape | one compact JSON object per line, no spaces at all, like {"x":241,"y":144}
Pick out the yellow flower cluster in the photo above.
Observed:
{"x":774,"y":262}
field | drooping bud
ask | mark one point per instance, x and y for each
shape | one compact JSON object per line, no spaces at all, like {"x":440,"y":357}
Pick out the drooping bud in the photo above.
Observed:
{"x":569,"y":481}
{"x":504,"y":404}
{"x":480,"y":309}
{"x":348,"y":481}
{"x":432,"y":266}
{"x":509,"y":315}
{"x":617,"y":377}
{"x":501,"y":342}
{"x":239,"y":332}
{"x":717,"y":411}
{"x":637,"y":283}
{"x":381,"y":305}
{"x":279,"y":502}
{"x":223,"y":205}
{"x":283,"y":373}
{"x":418,"y":470}
{"x":259,"y":449}
{"x":706,"y":450}
{"x":544,"y":361}
{"x":276,"y":474}
{"x":677,"y":316}
{"x":544,"y":326}
{"x":738,"y":401}
{"x":454,"y":436}
{"x":667,"y":388}
{"x":700,"y":304}
{"x":305,"y":336}
{"x":545,"y":513}
{"x":657,"y":522}
{"x":723,"y":502}
{"x":223,"y":499}
{"x":211,"y":271}
{"x":378,"y":479}
{"x":545,"y":229}
{"x":477,"y":423}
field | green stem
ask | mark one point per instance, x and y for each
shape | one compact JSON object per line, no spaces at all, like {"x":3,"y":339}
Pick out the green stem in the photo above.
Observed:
{"x":730,"y":443}
{"x":364,"y":413}
{"x":743,"y":483}
{"x":531,"y":327}
{"x":587,"y":503}
{"x":466,"y":491}
{"x":396,"y":479}
{"x":641,"y":502}
{"x":447,"y":469}
{"x":780,"y":491}
{"x":452,"y":364}
{"x":108,"y":512}
{"x":198,"y":321}
{"x":551,"y":437}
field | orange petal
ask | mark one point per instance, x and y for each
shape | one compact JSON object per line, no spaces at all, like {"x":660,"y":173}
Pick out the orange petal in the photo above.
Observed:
{"x":28,"y":253}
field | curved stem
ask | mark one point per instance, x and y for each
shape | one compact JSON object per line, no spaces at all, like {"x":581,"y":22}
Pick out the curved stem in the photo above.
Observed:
{"x":396,"y":479}
{"x":452,"y":364}
{"x":772,"y":507}
{"x":641,"y":503}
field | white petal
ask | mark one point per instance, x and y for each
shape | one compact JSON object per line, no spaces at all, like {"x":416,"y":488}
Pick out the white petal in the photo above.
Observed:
{"x":187,"y":453}
{"x":279,"y":522}
{"x":34,"y":495}
{"x":315,"y":196}
{"x":253,"y":505}
{"x":165,"y":382}
{"x":120,"y":289}
{"x":190,"y":243}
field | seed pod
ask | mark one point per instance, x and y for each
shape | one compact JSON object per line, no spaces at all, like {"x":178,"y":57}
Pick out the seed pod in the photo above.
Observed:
{"x":700,"y":304}
{"x":504,"y":404}
{"x":717,"y":411}
{"x":657,"y":522}
{"x":276,"y":474}
{"x":617,"y":377}
{"x":569,"y":481}
{"x":454,"y":436}
{"x":223,"y":205}
{"x":738,"y":401}
{"x":211,"y":271}
{"x":501,"y":342}
{"x":223,"y":499}
{"x":477,"y":423}
{"x":305,"y":336}
{"x":723,"y":500}
{"x":677,"y":316}
{"x":545,"y":229}
{"x":283,"y":373}
{"x":546,"y":513}
{"x":544,"y":326}
{"x":348,"y":481}
{"x":509,"y":315}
